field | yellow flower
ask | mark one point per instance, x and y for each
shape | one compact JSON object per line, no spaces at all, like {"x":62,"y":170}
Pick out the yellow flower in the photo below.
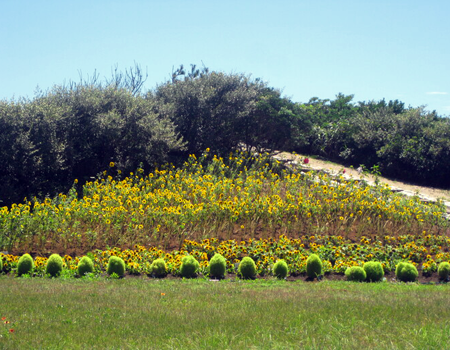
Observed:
{"x":111,"y":165}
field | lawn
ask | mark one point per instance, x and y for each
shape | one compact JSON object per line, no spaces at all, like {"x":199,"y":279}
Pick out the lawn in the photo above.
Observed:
{"x":142,"y":313}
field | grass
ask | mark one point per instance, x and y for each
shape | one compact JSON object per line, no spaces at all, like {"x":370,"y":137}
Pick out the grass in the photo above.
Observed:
{"x":199,"y":314}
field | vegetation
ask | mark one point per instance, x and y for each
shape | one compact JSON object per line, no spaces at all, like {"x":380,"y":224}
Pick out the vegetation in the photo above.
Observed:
{"x":85,"y":265}
{"x":280,"y":269}
{"x":158,"y":268}
{"x":54,"y":265}
{"x":247,"y":268}
{"x":313,"y":266}
{"x":356,"y":274}
{"x":444,"y":270}
{"x":374,"y":271}
{"x":25,"y":265}
{"x":189,"y":266}
{"x":406,"y":272}
{"x":217,"y":266}
{"x":116,"y":265}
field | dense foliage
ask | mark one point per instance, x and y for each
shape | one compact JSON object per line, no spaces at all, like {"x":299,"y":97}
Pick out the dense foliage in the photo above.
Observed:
{"x":74,"y":131}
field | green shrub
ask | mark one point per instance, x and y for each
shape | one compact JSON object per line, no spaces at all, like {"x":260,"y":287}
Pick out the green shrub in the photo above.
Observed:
{"x":217,"y":266}
{"x":313,"y":266}
{"x":1,"y":264}
{"x":444,"y":270}
{"x":189,"y":266}
{"x":374,"y":271}
{"x":85,"y":265}
{"x":116,"y":265}
{"x":280,"y":269}
{"x":54,"y":265}
{"x":158,"y":268}
{"x":356,"y":274}
{"x":247,"y":268}
{"x":406,"y":272}
{"x":25,"y":265}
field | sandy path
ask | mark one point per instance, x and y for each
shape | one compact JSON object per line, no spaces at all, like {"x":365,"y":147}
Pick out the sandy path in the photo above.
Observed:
{"x":422,"y":191}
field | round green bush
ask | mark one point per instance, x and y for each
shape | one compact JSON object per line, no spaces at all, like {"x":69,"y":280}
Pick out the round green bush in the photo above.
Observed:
{"x":158,"y":268}
{"x":189,"y":266}
{"x":85,"y":265}
{"x":217,"y":266}
{"x":54,"y":265}
{"x":313,"y":266}
{"x":247,"y":268}
{"x":356,"y":274}
{"x":116,"y":265}
{"x":406,"y":272}
{"x":374,"y":271}
{"x":25,"y":265}
{"x":444,"y":270}
{"x":280,"y":269}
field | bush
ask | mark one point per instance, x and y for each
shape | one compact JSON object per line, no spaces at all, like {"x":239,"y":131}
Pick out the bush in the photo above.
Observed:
{"x":116,"y":265}
{"x":85,"y":265}
{"x":313,"y":266}
{"x":217,"y":266}
{"x":356,"y":274}
{"x":247,"y":268}
{"x":280,"y":269}
{"x":158,"y":268}
{"x":406,"y":272}
{"x":1,"y":264}
{"x":54,"y":265}
{"x":25,"y":265}
{"x":444,"y":270}
{"x":189,"y":266}
{"x":374,"y":271}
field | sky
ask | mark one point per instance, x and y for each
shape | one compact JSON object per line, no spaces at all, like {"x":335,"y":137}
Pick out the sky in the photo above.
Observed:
{"x":396,"y":49}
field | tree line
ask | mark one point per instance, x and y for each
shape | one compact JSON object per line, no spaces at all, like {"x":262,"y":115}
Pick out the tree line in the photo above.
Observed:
{"x":75,"y":131}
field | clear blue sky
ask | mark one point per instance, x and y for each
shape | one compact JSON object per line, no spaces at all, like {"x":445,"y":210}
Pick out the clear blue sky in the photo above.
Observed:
{"x":397,"y":49}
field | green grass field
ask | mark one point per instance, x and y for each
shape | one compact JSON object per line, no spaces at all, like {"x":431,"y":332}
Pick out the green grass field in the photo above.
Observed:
{"x":142,"y":313}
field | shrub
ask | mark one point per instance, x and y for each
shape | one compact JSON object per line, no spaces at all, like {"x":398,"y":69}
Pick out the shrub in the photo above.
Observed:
{"x":313,"y":266}
{"x":54,"y":265}
{"x":280,"y":269}
{"x":158,"y":268}
{"x":85,"y":265}
{"x":1,"y":264}
{"x":374,"y":271}
{"x":217,"y":266}
{"x":406,"y":272}
{"x":25,"y":265}
{"x":247,"y":268}
{"x":356,"y":274}
{"x":444,"y":270}
{"x":116,"y":265}
{"x":189,"y":266}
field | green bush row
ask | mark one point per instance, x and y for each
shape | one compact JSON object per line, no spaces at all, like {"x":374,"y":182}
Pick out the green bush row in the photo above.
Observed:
{"x":372,"y":271}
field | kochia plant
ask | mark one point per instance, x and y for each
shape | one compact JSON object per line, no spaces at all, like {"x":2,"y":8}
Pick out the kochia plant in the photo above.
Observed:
{"x":280,"y":269}
{"x":444,"y":270}
{"x":116,"y":265}
{"x":374,"y":271}
{"x":158,"y":268}
{"x":189,"y":266}
{"x":356,"y":274}
{"x":247,"y":268}
{"x":54,"y":265}
{"x":25,"y":265}
{"x":313,"y":266}
{"x":406,"y":272}
{"x":217,"y":266}
{"x":85,"y":265}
